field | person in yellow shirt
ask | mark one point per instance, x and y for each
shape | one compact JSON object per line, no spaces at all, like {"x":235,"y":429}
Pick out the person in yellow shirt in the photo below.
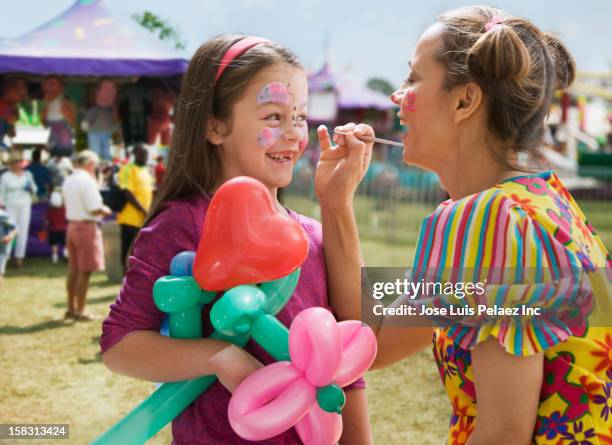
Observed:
{"x":137,"y":184}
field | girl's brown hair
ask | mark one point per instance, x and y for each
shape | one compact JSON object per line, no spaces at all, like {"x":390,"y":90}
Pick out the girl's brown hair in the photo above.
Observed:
{"x":194,"y":165}
{"x":517,"y":67}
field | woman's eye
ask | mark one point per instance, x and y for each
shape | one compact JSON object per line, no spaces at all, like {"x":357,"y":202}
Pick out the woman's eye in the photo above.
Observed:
{"x":274,"y":116}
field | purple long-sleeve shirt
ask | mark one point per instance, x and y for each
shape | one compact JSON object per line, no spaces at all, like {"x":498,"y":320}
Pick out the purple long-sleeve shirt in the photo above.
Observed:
{"x":175,"y":229}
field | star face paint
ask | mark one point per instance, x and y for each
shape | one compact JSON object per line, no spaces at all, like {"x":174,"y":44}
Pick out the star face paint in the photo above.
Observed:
{"x":409,"y":101}
{"x":274,"y":92}
{"x":269,"y":136}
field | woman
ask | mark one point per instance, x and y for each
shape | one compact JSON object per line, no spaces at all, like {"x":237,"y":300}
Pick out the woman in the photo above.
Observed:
{"x":479,"y":88}
{"x":17,"y":187}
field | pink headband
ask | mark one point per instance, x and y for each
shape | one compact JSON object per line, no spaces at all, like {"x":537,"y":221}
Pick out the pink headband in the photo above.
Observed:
{"x":235,"y":50}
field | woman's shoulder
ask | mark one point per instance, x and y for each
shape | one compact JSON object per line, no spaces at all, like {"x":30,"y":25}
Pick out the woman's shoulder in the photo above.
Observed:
{"x":485,"y":204}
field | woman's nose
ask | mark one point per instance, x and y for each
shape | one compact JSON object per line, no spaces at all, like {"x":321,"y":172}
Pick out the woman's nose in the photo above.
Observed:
{"x":396,"y":97}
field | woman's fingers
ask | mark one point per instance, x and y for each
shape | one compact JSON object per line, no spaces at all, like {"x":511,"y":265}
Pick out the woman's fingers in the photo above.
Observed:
{"x":341,"y":131}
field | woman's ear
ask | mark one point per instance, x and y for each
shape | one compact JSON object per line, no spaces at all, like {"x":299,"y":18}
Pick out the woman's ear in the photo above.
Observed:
{"x":467,"y":101}
{"x":214,"y":131}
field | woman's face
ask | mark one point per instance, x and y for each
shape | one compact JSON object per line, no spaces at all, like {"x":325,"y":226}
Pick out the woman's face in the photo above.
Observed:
{"x":268,"y":127}
{"x":426,"y":107}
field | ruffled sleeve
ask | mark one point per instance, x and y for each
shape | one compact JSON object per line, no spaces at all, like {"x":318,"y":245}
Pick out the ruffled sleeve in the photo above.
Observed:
{"x":528,"y":290}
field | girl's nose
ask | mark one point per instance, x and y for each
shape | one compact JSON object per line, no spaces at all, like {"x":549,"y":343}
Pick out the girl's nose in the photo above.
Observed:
{"x":292,"y":132}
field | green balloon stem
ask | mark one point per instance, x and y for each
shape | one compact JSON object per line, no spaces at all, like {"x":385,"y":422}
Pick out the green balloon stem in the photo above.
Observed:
{"x":272,"y":335}
{"x":155,"y":412}
{"x":331,"y":398}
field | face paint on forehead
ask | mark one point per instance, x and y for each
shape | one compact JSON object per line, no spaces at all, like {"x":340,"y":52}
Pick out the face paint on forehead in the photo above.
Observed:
{"x":274,"y":92}
{"x":409,"y":101}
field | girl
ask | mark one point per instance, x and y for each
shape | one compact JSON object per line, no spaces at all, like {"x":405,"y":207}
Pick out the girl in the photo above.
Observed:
{"x":480,"y":86}
{"x":242,"y":111}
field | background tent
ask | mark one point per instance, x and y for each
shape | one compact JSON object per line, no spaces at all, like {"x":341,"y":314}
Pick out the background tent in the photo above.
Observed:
{"x":89,"y":39}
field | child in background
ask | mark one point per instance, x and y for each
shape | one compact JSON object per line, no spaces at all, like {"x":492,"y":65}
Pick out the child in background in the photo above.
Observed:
{"x":56,"y":225}
{"x":160,"y":172}
{"x":8,"y":230}
{"x":241,"y":112}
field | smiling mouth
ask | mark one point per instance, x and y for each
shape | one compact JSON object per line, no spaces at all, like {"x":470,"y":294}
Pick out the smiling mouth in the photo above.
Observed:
{"x":280,"y":157}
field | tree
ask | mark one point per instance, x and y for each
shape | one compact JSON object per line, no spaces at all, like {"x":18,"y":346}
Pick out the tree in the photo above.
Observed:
{"x":381,"y":85}
{"x":160,"y":27}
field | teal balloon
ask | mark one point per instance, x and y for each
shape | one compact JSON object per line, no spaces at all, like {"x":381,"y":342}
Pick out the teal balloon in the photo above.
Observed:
{"x":172,"y":294}
{"x":155,"y":412}
{"x":271,"y":335}
{"x":278,"y":292}
{"x":331,"y":398}
{"x":234,"y":312}
{"x":241,"y":313}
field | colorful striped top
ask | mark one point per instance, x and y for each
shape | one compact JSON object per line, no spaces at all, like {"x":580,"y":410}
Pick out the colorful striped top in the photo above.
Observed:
{"x":531,"y":248}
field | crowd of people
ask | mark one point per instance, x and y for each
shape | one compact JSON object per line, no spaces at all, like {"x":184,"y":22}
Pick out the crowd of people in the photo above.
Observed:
{"x":76,"y":190}
{"x":75,"y":194}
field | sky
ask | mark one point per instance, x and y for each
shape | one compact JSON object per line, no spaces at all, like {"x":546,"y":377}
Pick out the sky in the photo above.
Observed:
{"x":367,"y":38}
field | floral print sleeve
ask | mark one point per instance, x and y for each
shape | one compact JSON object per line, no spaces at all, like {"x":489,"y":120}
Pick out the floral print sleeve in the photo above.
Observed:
{"x":533,"y":245}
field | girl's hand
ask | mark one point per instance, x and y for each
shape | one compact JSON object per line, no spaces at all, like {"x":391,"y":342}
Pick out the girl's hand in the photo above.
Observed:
{"x":232,"y":365}
{"x":341,"y":168}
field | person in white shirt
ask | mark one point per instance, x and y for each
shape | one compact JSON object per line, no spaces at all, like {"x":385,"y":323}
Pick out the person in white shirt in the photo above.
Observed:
{"x":17,"y":186}
{"x":84,"y":209}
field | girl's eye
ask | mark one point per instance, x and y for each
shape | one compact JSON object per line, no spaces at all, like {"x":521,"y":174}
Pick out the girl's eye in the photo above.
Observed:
{"x":274,"y":116}
{"x":302,"y":118}
{"x":409,"y":80}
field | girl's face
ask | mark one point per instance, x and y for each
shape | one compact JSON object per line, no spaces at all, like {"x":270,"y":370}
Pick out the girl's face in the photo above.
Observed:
{"x":268,"y":127}
{"x":426,"y":108}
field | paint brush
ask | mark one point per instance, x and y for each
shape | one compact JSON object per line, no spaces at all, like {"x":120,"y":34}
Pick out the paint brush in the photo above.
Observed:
{"x":379,"y":140}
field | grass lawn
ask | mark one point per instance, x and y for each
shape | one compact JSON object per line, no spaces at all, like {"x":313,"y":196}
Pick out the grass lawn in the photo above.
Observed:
{"x":52,"y":372}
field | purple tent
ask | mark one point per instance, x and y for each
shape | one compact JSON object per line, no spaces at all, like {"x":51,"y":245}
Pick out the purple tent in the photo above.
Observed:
{"x":89,"y":39}
{"x":351,"y":94}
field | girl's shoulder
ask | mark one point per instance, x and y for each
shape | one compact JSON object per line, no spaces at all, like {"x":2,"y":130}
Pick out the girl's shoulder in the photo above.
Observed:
{"x":311,"y":226}
{"x":192,"y":208}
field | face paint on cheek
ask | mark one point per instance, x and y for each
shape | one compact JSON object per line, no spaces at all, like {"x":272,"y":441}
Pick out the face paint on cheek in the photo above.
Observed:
{"x":274,"y":92}
{"x":268,"y":137}
{"x":409,"y":101}
{"x":303,"y":137}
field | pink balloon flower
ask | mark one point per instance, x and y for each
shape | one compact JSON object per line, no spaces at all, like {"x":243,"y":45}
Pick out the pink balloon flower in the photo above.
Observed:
{"x":324,"y":353}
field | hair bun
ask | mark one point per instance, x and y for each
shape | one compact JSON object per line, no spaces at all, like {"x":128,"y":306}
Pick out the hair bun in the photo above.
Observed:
{"x":499,"y":54}
{"x":565,"y":66}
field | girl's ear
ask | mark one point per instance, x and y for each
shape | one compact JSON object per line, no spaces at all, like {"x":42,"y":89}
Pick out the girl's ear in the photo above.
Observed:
{"x":467,"y":100}
{"x":215,"y":131}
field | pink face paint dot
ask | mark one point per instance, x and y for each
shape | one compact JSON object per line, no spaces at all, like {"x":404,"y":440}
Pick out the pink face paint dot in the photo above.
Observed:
{"x":409,"y":102}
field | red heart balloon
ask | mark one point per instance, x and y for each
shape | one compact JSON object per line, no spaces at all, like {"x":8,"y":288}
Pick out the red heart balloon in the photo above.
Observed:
{"x":245,"y":239}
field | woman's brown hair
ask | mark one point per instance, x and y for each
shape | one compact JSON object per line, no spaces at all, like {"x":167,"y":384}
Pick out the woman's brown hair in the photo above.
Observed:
{"x":194,"y":165}
{"x":517,"y":66}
